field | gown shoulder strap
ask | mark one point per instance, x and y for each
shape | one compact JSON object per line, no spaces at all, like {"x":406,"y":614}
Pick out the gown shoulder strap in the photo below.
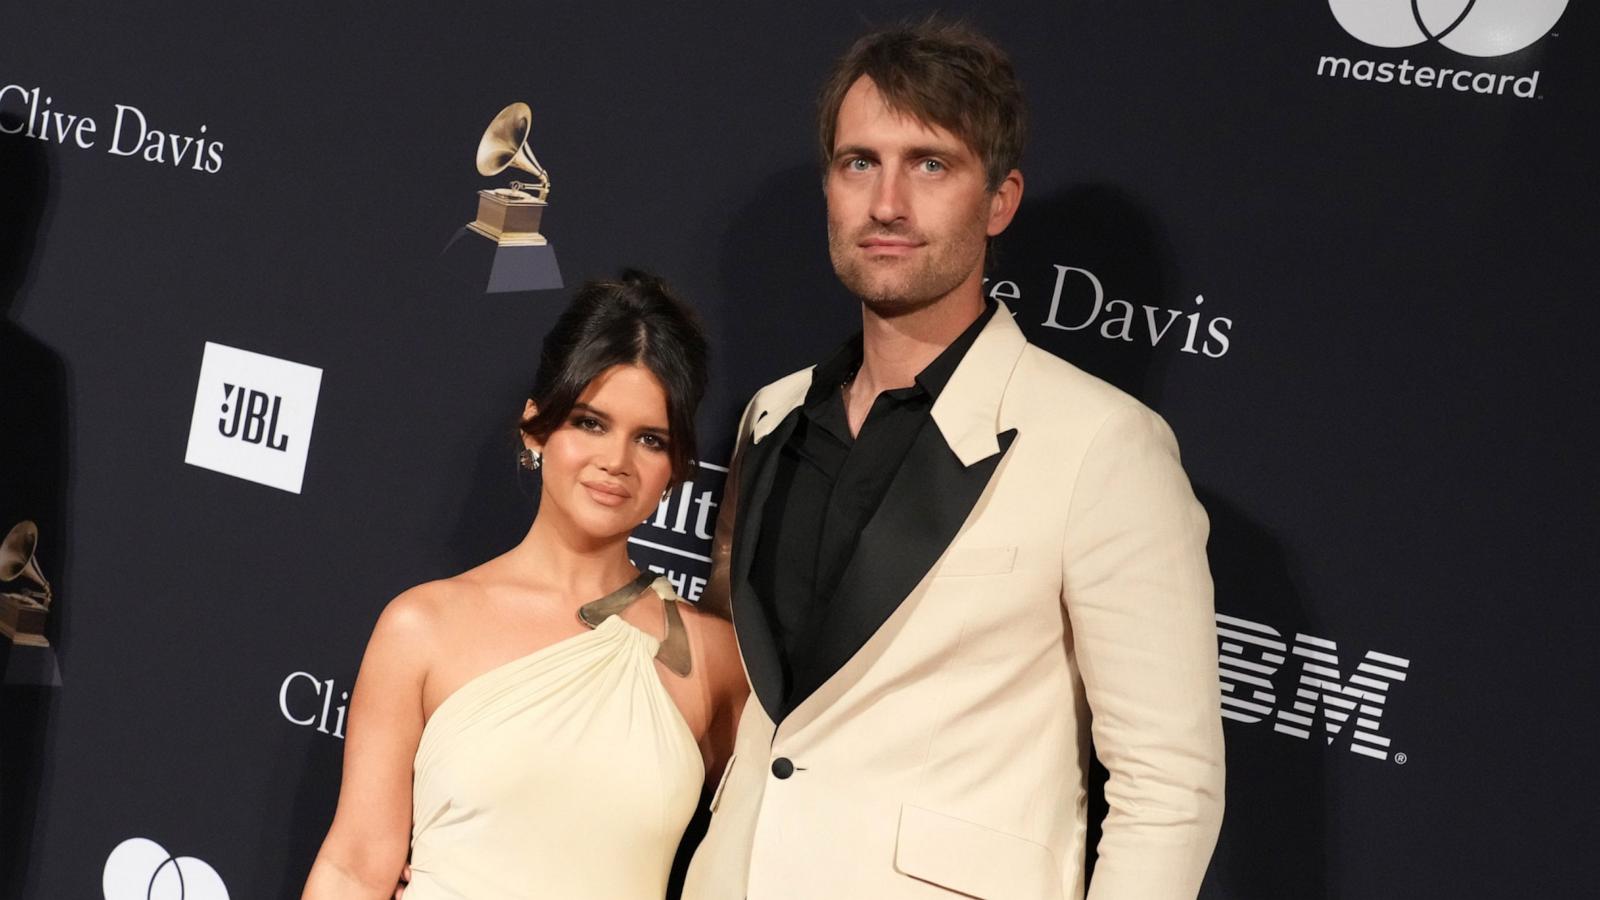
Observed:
{"x":673,"y":651}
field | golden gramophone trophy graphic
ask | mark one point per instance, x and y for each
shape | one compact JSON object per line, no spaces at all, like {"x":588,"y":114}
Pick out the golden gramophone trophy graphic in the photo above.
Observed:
{"x":24,"y":592}
{"x":502,"y":250}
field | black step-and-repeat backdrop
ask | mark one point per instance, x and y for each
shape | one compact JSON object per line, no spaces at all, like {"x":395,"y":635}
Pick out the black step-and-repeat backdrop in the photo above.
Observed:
{"x":1343,"y":246}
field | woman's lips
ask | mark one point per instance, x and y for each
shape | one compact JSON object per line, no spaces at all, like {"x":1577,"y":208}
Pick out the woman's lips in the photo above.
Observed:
{"x":606,"y":494}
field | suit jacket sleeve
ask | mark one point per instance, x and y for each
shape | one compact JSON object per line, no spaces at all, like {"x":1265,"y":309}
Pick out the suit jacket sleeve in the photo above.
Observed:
{"x":1137,"y":590}
{"x":717,"y":598}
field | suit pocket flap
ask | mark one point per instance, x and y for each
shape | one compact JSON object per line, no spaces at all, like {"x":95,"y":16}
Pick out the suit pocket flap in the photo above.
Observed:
{"x":977,"y":561}
{"x":973,"y":859}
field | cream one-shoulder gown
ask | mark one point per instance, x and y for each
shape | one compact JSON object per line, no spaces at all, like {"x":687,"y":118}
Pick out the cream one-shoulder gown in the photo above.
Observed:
{"x":566,"y":774}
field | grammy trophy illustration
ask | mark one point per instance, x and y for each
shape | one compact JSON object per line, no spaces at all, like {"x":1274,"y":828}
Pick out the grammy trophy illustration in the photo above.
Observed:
{"x":502,"y":250}
{"x":24,"y":591}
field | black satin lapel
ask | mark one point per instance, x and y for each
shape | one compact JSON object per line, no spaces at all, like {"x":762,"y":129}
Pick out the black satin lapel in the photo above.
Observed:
{"x":756,"y":642}
{"x":927,"y":502}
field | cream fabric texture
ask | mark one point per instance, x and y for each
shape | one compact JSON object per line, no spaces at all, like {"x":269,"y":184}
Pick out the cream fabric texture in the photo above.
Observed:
{"x":948,"y":756}
{"x":567,"y":773}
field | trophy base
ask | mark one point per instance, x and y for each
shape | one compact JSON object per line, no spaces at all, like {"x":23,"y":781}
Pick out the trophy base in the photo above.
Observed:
{"x":22,"y":620}
{"x":508,"y":239}
{"x":25,"y":666}
{"x":509,"y":218}
{"x":498,"y":267}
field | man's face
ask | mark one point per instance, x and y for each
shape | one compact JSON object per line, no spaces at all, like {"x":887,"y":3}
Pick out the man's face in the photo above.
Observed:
{"x":908,"y":208}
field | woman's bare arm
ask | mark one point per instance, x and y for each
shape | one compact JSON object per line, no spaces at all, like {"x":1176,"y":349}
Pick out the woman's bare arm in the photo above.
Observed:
{"x":728,"y":689}
{"x":367,"y":845}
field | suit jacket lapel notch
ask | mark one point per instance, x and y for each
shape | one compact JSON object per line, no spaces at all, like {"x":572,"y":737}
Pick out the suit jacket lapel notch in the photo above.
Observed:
{"x":968,"y":409}
{"x":770,"y":428}
{"x":946,"y":470}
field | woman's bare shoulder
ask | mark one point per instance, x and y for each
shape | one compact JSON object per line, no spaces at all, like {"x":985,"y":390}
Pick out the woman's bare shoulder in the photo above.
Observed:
{"x":421,"y":614}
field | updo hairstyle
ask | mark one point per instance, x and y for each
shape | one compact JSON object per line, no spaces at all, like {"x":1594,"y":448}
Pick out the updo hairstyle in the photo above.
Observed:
{"x":634,"y":320}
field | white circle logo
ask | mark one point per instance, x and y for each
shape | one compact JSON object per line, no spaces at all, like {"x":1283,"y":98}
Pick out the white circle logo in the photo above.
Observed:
{"x":1470,"y":27}
{"x":139,"y":869}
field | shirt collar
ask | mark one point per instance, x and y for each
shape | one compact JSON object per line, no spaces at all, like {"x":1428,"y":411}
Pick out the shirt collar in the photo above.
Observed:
{"x":827,"y":378}
{"x":937,"y":374}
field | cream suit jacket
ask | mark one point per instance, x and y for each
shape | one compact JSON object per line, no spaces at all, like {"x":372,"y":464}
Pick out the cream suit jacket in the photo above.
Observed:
{"x":1035,"y":576}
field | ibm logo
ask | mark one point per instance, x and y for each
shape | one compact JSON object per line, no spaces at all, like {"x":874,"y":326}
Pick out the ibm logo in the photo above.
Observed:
{"x":252,"y":417}
{"x":1350,"y":705}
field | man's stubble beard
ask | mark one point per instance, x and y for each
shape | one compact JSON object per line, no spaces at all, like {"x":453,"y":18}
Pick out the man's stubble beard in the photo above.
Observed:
{"x":943,"y":266}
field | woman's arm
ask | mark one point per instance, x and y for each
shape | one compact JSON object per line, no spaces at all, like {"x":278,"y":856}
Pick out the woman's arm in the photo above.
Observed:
{"x":728,"y":688}
{"x":367,"y":845}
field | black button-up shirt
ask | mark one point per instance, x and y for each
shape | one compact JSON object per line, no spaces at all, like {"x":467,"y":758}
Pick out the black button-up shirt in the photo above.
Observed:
{"x":828,"y":484}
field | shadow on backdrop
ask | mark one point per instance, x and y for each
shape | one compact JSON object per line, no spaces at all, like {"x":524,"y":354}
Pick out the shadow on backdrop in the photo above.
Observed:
{"x":782,"y":308}
{"x":33,"y":485}
{"x":1118,"y":336}
{"x":1277,"y":785}
{"x":1104,"y":230}
{"x":315,"y":774}
{"x":501,"y":501}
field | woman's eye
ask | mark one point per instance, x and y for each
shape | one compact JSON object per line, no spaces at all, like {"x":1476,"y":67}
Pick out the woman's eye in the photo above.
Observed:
{"x":586,"y":423}
{"x":653,"y":441}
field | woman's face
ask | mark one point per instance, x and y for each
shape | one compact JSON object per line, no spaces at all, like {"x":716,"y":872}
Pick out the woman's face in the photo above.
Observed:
{"x":606,"y":466}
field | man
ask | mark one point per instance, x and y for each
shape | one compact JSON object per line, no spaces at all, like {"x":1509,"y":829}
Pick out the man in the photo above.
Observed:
{"x":951,"y":556}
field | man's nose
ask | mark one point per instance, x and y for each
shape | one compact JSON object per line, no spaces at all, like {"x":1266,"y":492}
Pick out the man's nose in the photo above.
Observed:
{"x":889,"y":196}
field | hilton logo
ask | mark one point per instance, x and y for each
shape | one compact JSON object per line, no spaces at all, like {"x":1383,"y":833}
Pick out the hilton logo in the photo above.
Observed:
{"x":1350,"y":706}
{"x":253,"y":416}
{"x":676,"y":541}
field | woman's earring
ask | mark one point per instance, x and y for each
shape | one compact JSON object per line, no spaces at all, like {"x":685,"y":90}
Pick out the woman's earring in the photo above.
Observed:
{"x":666,"y":495}
{"x":530,"y":459}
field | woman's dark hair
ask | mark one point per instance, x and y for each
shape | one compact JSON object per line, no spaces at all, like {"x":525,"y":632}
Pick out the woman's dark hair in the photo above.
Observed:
{"x":634,"y":320}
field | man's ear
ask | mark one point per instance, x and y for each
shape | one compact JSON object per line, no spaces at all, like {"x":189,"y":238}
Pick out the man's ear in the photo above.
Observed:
{"x":1004,"y":202}
{"x":529,"y":410}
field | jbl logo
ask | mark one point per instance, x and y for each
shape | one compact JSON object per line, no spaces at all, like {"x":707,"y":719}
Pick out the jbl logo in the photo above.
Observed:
{"x":260,"y":429}
{"x":252,"y":417}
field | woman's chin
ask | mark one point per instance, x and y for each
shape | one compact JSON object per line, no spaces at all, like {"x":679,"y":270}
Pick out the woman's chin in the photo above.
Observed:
{"x":606,"y":525}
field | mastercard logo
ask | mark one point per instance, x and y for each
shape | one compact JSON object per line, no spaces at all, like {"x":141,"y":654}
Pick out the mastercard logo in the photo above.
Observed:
{"x":140,"y":869}
{"x":1479,"y":28}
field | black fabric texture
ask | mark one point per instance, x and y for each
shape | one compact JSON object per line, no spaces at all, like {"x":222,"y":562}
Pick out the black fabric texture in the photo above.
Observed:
{"x":827,"y":486}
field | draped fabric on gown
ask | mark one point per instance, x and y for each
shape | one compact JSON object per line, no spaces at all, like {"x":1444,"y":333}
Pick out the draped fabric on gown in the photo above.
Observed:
{"x":568,"y":773}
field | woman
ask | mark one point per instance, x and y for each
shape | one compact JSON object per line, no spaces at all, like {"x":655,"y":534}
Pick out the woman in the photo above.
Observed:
{"x":542,"y":725}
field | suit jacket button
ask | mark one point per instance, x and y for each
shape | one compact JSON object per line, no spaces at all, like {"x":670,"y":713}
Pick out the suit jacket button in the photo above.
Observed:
{"x":782,"y":767}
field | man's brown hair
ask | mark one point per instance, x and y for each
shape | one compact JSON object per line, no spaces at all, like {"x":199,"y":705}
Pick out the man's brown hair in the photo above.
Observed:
{"x":939,"y":73}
